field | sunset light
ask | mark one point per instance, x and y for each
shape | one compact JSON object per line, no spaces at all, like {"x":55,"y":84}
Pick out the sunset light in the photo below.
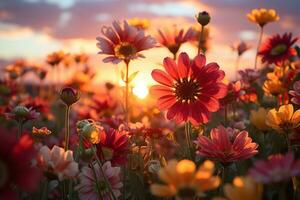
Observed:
{"x":141,"y":91}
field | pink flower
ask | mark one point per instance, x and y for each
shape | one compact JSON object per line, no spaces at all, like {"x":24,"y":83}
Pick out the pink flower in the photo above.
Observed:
{"x":123,"y":43}
{"x":58,"y":161}
{"x":87,"y":187}
{"x":276,"y":169}
{"x":189,"y":90}
{"x":226,"y":145}
{"x":295,"y":93}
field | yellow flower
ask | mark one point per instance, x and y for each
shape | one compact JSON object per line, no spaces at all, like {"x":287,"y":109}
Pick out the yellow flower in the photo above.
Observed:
{"x":262,"y":16}
{"x":284,"y":119}
{"x":273,"y":86}
{"x":183,"y":180}
{"x":243,"y":188}
{"x":258,"y":118}
{"x":139,"y":23}
{"x":40,"y":131}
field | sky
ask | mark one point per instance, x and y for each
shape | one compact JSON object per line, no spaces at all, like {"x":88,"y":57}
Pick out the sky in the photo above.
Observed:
{"x":31,"y":29}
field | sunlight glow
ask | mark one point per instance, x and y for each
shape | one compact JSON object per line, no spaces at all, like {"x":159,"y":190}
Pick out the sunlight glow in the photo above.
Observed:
{"x":141,"y":91}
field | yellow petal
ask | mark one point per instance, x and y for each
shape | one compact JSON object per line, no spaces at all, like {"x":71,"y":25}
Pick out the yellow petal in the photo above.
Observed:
{"x":162,"y":190}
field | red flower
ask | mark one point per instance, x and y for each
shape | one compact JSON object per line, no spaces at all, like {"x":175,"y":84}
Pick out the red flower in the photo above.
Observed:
{"x":277,"y":168}
{"x":295,"y":93}
{"x":113,"y":146}
{"x":174,"y":39}
{"x":190,"y":89}
{"x":123,"y":42}
{"x":226,"y":145}
{"x":277,"y":49}
{"x":15,"y":165}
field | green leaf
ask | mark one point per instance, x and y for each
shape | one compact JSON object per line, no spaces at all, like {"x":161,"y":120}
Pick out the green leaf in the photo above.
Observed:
{"x":132,"y":76}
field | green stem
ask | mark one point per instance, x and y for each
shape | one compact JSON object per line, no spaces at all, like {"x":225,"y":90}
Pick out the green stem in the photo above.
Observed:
{"x":188,"y":139}
{"x":258,"y":46}
{"x":288,"y":142}
{"x":20,"y":129}
{"x":44,"y":190}
{"x":96,"y":180}
{"x":201,"y":40}
{"x":67,"y":127}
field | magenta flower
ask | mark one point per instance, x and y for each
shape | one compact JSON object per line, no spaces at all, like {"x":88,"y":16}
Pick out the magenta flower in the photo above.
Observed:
{"x":87,"y":189}
{"x":123,"y":42}
{"x":276,"y":169}
{"x":226,"y":145}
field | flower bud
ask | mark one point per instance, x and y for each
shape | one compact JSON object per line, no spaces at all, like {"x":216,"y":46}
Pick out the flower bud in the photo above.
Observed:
{"x":21,"y":111}
{"x":69,"y":96}
{"x":91,"y":133}
{"x":203,"y":18}
{"x":80,"y":124}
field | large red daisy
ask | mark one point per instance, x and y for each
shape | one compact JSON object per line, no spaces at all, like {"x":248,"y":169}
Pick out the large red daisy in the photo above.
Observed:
{"x":190,"y":89}
{"x":277,"y":49}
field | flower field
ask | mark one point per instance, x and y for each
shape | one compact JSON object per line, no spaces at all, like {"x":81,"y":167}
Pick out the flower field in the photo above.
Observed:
{"x":197,"y":133}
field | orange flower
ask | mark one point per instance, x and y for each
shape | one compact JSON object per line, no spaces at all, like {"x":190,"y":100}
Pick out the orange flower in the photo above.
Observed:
{"x":40,"y":131}
{"x":258,"y":118}
{"x":55,"y":58}
{"x":262,"y":16}
{"x":139,"y":23}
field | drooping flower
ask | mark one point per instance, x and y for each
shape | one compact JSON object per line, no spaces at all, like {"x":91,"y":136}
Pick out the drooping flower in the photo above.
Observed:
{"x":190,"y":90}
{"x":262,"y":16}
{"x":278,"y":49}
{"x":183,"y":180}
{"x":295,"y":93}
{"x":172,"y":39}
{"x":123,"y":42}
{"x":278,"y":168}
{"x":92,"y":181}
{"x":139,"y":23}
{"x":226,"y":146}
{"x":16,"y":156}
{"x":258,"y":118}
{"x":284,"y":119}
{"x":58,"y":162}
{"x":244,"y":188}
{"x":113,"y":146}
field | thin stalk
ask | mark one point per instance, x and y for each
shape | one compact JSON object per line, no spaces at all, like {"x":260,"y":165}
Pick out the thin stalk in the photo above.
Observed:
{"x":127,"y":92}
{"x":225,"y":115}
{"x":288,"y":142}
{"x":258,"y":46}
{"x":188,"y":139}
{"x":237,"y":67}
{"x":67,"y":127}
{"x":201,"y":40}
{"x":20,"y":129}
{"x":96,"y":180}
{"x":44,"y":190}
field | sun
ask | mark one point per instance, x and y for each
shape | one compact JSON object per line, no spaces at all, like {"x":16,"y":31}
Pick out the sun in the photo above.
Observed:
{"x":141,"y":91}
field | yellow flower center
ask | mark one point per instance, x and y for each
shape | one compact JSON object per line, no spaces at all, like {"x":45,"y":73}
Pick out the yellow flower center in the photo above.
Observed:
{"x":278,"y":49}
{"x":124,"y":50}
{"x":187,"y":90}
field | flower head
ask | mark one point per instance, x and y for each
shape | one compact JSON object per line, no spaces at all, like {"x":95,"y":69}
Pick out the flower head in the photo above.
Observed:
{"x":248,"y":76}
{"x":56,"y":58}
{"x":113,"y":146}
{"x":243,"y":188}
{"x":16,"y":156}
{"x":172,"y":39}
{"x":41,"y":131}
{"x":258,"y":118}
{"x":183,"y":180}
{"x":69,"y":96}
{"x":226,"y":146}
{"x":240,"y":47}
{"x":295,"y":93}
{"x":278,"y":168}
{"x":58,"y":162}
{"x":92,"y":181}
{"x":139,"y":23}
{"x":190,"y":90}
{"x":284,"y":119}
{"x":203,"y":18}
{"x":262,"y":16}
{"x":278,"y":49}
{"x":22,"y":114}
{"x":123,"y":42}
{"x":273,"y":85}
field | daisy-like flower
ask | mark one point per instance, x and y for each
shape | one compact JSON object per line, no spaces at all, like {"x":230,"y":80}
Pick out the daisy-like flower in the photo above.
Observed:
{"x":139,"y":23}
{"x":278,"y":168}
{"x":262,"y":16}
{"x":273,"y":85}
{"x":172,"y":39}
{"x":226,"y":145}
{"x":295,"y":93}
{"x":278,"y":49}
{"x":16,"y":156}
{"x":123,"y":42}
{"x":243,"y":188}
{"x":113,"y":146}
{"x":22,"y":114}
{"x":55,"y":58}
{"x":58,"y":161}
{"x":248,"y":76}
{"x":258,"y":118}
{"x":284,"y":119}
{"x":183,"y":180}
{"x":92,"y":181}
{"x":190,"y":90}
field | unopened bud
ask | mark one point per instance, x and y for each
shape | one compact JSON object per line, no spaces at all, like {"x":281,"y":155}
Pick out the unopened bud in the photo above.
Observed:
{"x":203,"y":18}
{"x":69,"y":96}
